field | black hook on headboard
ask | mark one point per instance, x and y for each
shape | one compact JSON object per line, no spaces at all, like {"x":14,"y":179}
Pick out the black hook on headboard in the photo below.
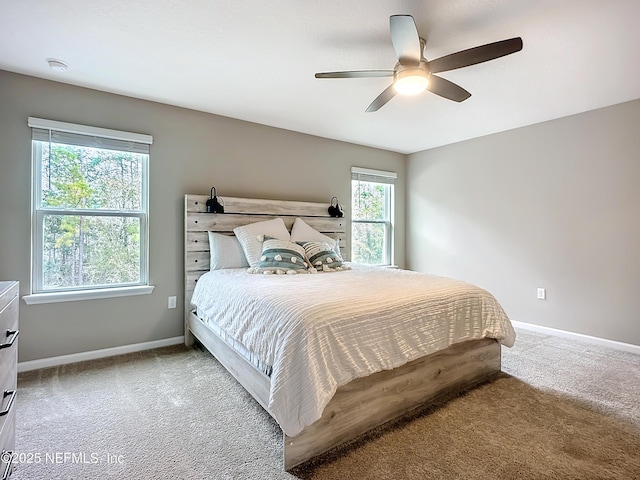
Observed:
{"x":335,"y":210}
{"x":213,"y":205}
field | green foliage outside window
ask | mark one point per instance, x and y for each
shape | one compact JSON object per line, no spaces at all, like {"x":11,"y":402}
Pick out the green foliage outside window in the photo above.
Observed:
{"x":370,"y":222}
{"x":86,"y":239}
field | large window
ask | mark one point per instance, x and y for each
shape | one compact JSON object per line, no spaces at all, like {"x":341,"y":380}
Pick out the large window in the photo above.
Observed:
{"x":372,"y":216}
{"x":90,"y":209}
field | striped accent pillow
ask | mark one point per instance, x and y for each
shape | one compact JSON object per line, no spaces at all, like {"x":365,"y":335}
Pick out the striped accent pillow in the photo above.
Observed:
{"x":322,"y":257}
{"x":280,"y":257}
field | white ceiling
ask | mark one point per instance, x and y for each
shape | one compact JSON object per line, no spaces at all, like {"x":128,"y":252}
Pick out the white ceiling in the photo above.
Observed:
{"x":255,"y":60}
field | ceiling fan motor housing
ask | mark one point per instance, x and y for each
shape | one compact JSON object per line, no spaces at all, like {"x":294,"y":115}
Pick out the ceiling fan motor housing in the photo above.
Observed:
{"x":410,"y":80}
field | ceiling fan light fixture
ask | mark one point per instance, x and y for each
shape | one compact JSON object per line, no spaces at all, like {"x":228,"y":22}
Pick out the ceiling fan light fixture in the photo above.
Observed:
{"x":411,"y":82}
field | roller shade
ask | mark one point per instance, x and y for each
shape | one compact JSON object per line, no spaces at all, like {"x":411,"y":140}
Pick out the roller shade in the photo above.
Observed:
{"x":369,"y":175}
{"x":79,"y":135}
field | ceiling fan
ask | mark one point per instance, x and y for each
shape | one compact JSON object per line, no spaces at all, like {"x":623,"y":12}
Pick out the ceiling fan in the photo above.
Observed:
{"x":414,"y":74}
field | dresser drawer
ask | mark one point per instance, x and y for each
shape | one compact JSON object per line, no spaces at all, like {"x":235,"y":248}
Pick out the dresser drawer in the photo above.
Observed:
{"x":7,"y":444}
{"x":9,"y":336}
{"x":8,"y":378}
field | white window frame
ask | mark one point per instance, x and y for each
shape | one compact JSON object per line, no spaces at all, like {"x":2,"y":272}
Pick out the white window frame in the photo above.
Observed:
{"x":39,"y":293}
{"x":388,"y":179}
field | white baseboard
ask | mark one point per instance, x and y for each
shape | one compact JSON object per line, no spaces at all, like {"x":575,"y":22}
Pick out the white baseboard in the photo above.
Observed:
{"x":627,"y":347}
{"x":92,"y":355}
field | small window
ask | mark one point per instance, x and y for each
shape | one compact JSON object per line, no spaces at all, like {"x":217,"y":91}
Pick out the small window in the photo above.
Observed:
{"x":90,"y":208}
{"x":372,"y":216}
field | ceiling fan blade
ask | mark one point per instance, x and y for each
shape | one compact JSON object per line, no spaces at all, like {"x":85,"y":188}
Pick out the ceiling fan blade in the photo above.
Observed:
{"x":381,"y":99}
{"x":356,"y":74}
{"x":447,"y":89}
{"x":405,"y":39}
{"x":474,"y":55}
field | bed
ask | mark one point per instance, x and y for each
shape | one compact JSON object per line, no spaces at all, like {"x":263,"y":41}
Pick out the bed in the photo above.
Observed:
{"x":333,"y":355}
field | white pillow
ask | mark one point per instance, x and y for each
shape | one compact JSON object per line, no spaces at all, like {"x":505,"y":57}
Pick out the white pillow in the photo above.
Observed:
{"x":226,"y":252}
{"x":302,"y":232}
{"x":248,"y":235}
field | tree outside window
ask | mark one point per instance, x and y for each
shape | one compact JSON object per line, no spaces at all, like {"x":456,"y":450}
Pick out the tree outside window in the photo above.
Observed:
{"x":371,"y":215}
{"x":90,"y":215}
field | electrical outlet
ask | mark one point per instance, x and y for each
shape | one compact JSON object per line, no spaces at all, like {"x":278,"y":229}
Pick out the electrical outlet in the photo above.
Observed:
{"x":542,"y":294}
{"x":172,"y":302}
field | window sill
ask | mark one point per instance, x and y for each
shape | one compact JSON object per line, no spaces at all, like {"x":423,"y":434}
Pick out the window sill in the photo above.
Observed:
{"x":38,"y":298}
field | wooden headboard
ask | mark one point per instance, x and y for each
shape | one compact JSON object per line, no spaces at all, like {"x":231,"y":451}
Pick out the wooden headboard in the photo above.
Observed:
{"x":242,"y":211}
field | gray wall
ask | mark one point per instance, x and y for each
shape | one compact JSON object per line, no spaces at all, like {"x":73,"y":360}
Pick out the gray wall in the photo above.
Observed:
{"x":191,"y":152}
{"x":553,"y":205}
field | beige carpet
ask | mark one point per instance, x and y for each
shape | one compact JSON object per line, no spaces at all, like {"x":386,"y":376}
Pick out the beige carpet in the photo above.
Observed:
{"x":561,"y":410}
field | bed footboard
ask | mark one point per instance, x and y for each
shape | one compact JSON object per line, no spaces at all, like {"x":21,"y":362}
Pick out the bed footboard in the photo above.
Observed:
{"x":371,"y":401}
{"x":367,"y":402}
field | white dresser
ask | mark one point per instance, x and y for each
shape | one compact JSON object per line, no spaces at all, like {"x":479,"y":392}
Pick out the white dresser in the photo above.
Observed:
{"x":8,"y":371}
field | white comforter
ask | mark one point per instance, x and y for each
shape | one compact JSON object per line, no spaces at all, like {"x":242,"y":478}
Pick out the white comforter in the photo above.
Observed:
{"x":321,"y":331}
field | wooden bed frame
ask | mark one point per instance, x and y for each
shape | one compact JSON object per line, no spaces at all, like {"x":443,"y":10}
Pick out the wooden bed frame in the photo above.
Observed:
{"x":362,"y":404}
